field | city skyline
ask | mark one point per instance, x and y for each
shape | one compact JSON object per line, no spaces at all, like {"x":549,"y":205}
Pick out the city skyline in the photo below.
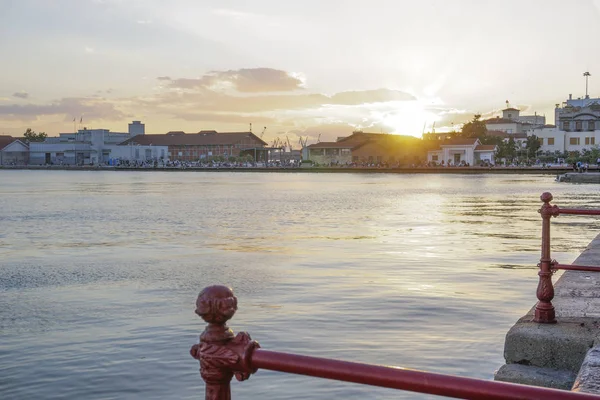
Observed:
{"x":298,"y":69}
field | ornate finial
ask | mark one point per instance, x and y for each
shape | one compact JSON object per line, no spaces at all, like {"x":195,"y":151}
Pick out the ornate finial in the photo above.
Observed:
{"x":221,"y":355}
{"x":216,"y":305}
{"x":546,"y":197}
{"x":548,"y":210}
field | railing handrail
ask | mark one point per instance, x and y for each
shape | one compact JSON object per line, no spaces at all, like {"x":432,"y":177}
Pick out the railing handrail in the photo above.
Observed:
{"x":544,"y":310}
{"x":223,"y":355}
{"x":577,"y":211}
{"x":405,"y":379}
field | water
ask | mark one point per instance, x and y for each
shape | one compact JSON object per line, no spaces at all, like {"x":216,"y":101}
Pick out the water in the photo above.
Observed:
{"x":99,"y":272}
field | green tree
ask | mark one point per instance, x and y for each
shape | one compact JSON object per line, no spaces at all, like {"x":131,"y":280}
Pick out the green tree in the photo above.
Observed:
{"x":591,"y":155}
{"x":574,"y":156}
{"x":31,"y":136}
{"x":474,"y":129}
{"x":507,"y":150}
{"x":495,"y":140}
{"x":533,"y":145}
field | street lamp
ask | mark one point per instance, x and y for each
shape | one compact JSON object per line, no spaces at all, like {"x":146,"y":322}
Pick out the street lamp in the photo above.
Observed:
{"x":587,"y":75}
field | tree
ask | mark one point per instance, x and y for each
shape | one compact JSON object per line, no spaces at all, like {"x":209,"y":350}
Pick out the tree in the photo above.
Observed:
{"x":511,"y":149}
{"x":507,"y":150}
{"x":533,"y":145}
{"x":31,"y":136}
{"x":495,"y":140}
{"x":474,"y":129}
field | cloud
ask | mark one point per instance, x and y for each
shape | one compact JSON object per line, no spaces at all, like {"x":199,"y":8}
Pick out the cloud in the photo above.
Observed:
{"x":91,"y":108}
{"x":231,"y":99}
{"x":269,"y":97}
{"x":89,"y":50}
{"x":226,"y":117}
{"x":370,"y":96}
{"x":233,"y":14}
{"x":246,"y":80}
{"x":21,"y":95}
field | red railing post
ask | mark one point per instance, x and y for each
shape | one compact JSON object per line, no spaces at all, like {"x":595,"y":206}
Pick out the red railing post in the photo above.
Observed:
{"x":544,"y":310}
{"x":221,"y":354}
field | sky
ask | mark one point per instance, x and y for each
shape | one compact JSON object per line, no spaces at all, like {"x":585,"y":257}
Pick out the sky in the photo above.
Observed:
{"x":316,"y":69}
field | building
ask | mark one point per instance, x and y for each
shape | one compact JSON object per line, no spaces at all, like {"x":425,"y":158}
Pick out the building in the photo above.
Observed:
{"x":553,"y":139}
{"x":512,"y":122}
{"x":368,"y":148}
{"x":577,"y":126}
{"x":340,"y":151}
{"x":137,"y":128}
{"x":13,"y":151}
{"x":393,"y":150}
{"x":92,"y":147}
{"x":205,"y":144}
{"x":579,"y":115}
{"x":462,"y":151}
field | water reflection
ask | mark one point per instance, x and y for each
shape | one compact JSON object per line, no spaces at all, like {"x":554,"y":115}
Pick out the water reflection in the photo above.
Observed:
{"x":97,"y":268}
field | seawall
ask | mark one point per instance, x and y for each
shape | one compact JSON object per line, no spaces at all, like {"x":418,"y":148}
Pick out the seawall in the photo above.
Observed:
{"x":556,"y":171}
{"x":576,"y":177}
{"x":565,"y":355}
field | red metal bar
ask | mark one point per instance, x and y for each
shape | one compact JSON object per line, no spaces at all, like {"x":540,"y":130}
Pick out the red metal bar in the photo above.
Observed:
{"x":544,"y":310}
{"x":223,"y":355}
{"x":578,"y":211}
{"x":406,"y":379}
{"x":576,"y":267}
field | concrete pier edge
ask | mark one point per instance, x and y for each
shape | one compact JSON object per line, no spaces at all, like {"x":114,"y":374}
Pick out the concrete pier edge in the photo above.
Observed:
{"x":565,"y":355}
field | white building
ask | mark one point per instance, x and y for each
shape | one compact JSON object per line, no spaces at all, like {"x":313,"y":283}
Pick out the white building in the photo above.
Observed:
{"x":553,"y":139}
{"x":93,"y":146}
{"x":513,"y":122}
{"x":462,"y":151}
{"x":577,"y":126}
{"x":578,"y":115}
{"x":13,"y":151}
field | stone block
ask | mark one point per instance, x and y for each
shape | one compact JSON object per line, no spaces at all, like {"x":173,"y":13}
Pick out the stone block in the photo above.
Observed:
{"x":560,"y":346}
{"x":535,"y":376}
{"x":588,"y":379}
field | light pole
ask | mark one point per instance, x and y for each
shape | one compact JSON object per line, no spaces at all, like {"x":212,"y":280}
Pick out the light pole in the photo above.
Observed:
{"x":587,"y":75}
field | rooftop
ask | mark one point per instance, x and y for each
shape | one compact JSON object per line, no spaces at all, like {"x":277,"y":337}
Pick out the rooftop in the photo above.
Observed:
{"x":459,"y":142}
{"x":499,"y":120}
{"x":5,"y":140}
{"x":485,"y":147}
{"x":202,"y":138}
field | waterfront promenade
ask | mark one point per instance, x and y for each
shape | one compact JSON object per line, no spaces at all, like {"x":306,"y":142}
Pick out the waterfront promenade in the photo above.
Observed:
{"x":565,"y":354}
{"x":555,"y":170}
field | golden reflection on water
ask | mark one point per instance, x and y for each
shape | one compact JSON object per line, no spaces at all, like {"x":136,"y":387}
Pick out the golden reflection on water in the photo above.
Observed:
{"x":427,"y":271}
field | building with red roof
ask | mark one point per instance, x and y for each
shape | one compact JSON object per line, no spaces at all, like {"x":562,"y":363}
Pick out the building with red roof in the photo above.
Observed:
{"x":204,"y":144}
{"x":13,"y":151}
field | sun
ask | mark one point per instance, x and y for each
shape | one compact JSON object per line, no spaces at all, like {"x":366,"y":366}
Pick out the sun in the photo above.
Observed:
{"x":406,"y":117}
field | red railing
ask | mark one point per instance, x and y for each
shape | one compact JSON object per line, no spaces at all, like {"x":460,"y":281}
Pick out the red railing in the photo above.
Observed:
{"x":223,"y":355}
{"x":544,"y":310}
